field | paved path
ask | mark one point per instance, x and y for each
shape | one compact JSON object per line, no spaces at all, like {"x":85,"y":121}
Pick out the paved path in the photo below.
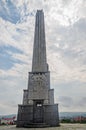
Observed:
{"x":62,"y":127}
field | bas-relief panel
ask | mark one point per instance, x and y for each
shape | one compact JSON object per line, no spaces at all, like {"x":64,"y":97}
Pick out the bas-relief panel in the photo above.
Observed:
{"x":40,"y":94}
{"x":40,"y":79}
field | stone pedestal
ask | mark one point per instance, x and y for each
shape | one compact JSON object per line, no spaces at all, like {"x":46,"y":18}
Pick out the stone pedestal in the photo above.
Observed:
{"x":38,"y":116}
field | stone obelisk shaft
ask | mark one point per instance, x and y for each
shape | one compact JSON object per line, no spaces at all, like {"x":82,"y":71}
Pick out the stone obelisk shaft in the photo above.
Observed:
{"x":39,"y":63}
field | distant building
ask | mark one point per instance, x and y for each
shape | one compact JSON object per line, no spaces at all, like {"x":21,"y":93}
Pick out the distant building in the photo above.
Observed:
{"x":79,"y":119}
{"x":76,"y":119}
{"x":9,"y":121}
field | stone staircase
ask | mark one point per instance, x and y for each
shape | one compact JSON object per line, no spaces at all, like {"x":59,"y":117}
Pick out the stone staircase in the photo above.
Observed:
{"x":36,"y":125}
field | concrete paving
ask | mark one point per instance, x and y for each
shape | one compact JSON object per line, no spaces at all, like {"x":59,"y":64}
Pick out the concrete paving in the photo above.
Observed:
{"x":62,"y":127}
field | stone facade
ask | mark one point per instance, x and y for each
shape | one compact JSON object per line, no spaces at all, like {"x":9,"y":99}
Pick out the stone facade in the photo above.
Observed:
{"x":38,"y":108}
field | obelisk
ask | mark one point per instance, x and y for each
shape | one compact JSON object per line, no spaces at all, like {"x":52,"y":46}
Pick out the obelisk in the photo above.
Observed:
{"x":38,"y":108}
{"x":39,"y":53}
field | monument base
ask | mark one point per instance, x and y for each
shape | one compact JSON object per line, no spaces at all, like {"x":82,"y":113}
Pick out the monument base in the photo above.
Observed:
{"x":38,"y":116}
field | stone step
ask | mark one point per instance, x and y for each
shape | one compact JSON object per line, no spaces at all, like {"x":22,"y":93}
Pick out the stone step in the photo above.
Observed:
{"x":36,"y":125}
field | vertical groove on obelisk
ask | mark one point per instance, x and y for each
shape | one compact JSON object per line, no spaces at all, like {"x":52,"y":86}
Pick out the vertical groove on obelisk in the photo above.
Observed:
{"x":38,"y":41}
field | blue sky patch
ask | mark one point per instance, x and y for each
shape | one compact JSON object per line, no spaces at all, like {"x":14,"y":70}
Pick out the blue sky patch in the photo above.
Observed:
{"x":6,"y":59}
{"x":10,"y":48}
{"x":9,"y":12}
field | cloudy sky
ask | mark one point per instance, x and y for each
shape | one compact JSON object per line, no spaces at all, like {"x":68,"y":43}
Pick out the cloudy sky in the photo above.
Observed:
{"x":65,"y":23}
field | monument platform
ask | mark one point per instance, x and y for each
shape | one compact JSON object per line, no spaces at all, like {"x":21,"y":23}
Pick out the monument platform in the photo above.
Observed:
{"x":38,"y":116}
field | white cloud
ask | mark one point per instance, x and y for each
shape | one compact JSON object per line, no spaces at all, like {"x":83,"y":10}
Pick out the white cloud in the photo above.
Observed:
{"x":70,"y":104}
{"x":65,"y":38}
